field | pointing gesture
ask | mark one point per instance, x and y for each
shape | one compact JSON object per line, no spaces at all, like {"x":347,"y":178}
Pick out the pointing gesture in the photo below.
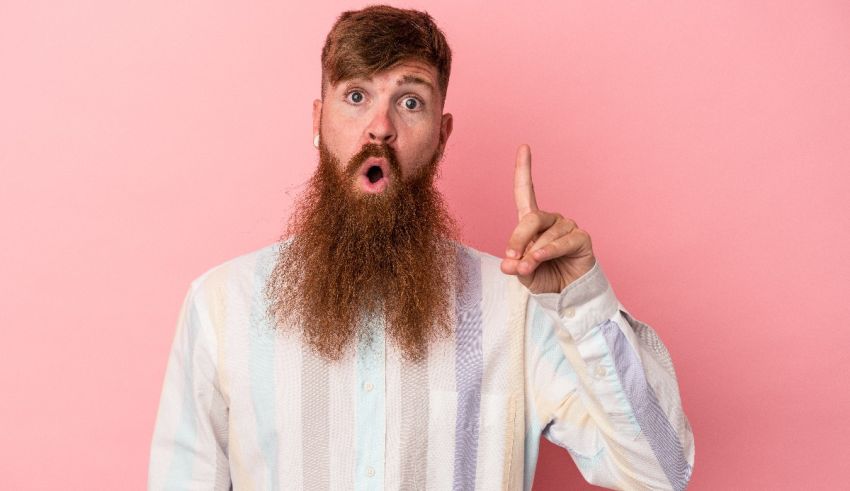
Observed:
{"x":526,"y":202}
{"x":546,"y":251}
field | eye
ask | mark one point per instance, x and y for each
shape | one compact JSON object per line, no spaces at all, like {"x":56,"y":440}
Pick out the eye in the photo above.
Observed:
{"x":355,"y":96}
{"x":412,"y":103}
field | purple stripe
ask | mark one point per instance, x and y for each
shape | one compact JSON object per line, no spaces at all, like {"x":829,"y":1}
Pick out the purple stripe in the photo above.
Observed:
{"x":653,"y":422}
{"x":469,"y":363}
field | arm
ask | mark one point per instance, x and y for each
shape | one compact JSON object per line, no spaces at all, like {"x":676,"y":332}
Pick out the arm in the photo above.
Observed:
{"x":189,"y":446}
{"x":604,"y":388}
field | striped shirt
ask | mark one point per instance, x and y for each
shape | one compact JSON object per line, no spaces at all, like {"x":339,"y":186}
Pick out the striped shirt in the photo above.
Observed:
{"x":246,"y":407}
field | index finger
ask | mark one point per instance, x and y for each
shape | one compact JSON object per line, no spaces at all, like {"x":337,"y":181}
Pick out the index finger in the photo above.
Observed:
{"x":523,"y":186}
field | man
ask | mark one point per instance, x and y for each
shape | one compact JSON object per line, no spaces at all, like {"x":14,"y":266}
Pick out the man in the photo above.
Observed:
{"x":368,"y":349}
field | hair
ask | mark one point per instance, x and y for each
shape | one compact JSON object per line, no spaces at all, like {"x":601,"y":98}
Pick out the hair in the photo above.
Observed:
{"x":364,"y":42}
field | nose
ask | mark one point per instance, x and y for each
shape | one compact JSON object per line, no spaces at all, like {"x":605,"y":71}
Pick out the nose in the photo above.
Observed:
{"x":381,"y":129}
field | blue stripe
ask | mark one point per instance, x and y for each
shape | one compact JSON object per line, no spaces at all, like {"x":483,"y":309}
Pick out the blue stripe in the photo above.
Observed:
{"x":469,"y":365}
{"x":653,"y":422}
{"x":370,"y":413}
{"x":545,"y":341}
{"x":262,"y":376}
{"x":541,"y":339}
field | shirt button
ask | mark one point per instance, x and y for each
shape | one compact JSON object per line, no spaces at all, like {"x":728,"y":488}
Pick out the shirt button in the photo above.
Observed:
{"x":568,"y":312}
{"x":600,"y":371}
{"x":368,"y":386}
{"x":370,"y":471}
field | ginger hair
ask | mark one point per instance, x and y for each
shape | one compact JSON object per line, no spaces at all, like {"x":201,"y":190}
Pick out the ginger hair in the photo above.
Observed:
{"x":364,"y":42}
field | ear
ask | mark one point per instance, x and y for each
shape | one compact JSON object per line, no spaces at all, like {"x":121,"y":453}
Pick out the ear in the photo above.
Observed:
{"x":445,"y":131}
{"x":317,"y":116}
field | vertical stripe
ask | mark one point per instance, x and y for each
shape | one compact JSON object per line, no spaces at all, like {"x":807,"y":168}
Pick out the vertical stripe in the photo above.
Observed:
{"x":493,"y":435}
{"x":370,"y":431}
{"x":517,"y":329}
{"x":413,"y":438}
{"x":341,"y":429}
{"x":442,"y":403}
{"x":499,"y":357}
{"x":653,"y":422}
{"x":263,"y":382}
{"x":393,"y":403}
{"x":186,"y":434}
{"x":314,"y":410}
{"x":469,"y":363}
{"x":227,"y":307}
{"x":288,"y":367}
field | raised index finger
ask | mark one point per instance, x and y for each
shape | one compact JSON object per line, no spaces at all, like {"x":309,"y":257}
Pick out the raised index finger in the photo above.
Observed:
{"x":523,"y":186}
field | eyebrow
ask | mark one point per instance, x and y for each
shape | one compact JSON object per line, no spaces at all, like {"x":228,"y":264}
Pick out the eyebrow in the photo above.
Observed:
{"x":414,"y":79}
{"x":405,"y":79}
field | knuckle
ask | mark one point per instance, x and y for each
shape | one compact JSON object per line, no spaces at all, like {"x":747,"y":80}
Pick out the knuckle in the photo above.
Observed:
{"x":537,"y":217}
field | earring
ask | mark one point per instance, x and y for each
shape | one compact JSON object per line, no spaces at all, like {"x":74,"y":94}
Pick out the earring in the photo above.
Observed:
{"x":316,"y":141}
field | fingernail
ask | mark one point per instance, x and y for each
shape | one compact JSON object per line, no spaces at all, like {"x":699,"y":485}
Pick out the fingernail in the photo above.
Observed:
{"x":511,"y":253}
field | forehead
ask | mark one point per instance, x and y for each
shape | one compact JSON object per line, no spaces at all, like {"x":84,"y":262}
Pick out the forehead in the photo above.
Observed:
{"x":405,"y":71}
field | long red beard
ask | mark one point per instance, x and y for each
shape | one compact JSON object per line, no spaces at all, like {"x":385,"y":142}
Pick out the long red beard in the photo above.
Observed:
{"x":353,"y":254}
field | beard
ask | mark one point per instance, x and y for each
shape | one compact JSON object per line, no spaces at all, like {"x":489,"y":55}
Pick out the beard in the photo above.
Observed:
{"x":354,"y":254}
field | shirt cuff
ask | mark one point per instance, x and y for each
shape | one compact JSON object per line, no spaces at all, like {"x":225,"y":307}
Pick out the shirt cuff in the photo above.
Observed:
{"x":583,"y":304}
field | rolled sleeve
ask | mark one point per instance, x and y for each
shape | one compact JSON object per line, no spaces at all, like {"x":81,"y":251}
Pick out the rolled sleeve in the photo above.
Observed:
{"x":583,"y":304}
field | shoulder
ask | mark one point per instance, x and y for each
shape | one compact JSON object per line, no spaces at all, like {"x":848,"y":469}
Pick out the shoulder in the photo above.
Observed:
{"x":484,"y":268}
{"x":239,"y":275}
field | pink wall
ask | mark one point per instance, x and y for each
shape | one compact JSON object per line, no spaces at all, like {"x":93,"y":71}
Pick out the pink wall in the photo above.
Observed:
{"x":704,"y":145}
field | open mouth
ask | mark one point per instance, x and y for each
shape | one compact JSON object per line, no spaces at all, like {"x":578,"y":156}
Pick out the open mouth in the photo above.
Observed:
{"x":374,"y":175}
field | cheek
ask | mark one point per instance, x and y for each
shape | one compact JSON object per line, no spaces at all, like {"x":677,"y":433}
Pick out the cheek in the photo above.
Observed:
{"x":430,"y":146}
{"x":427,"y":138}
{"x":341,"y":140}
{"x":420,"y":151}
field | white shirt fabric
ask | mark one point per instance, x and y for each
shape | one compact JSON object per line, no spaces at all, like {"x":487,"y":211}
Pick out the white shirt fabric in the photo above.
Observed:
{"x":245,"y":407}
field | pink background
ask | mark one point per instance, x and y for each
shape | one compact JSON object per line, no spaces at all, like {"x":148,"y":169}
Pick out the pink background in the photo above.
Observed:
{"x":704,"y":145}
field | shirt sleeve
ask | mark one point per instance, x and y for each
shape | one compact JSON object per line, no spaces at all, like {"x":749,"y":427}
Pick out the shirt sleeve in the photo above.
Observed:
{"x":189,"y":445}
{"x":603,"y":387}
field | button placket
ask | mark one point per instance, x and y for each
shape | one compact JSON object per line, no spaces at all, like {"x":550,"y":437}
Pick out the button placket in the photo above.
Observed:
{"x":371,"y":410}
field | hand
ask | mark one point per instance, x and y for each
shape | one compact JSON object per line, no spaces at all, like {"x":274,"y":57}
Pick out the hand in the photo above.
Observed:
{"x":546,"y":251}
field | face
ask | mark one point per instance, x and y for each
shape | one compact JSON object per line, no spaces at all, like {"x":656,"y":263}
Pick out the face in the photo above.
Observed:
{"x":400,"y":107}
{"x":355,"y":229}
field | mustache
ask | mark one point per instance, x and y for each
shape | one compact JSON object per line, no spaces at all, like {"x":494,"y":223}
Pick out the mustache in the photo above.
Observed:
{"x":373,"y":150}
